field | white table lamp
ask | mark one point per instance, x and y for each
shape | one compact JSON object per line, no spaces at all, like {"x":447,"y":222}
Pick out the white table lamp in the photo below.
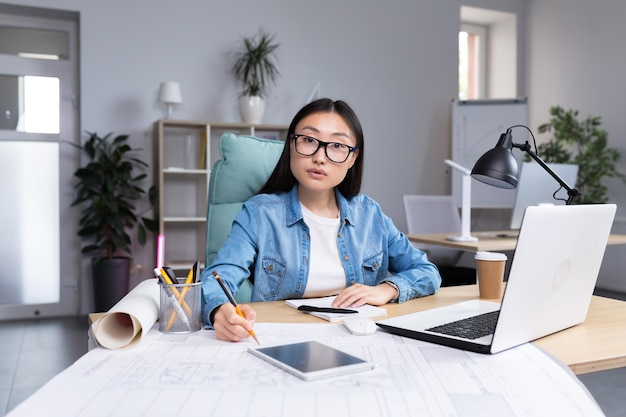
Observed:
{"x":170,"y":94}
{"x":466,"y":205}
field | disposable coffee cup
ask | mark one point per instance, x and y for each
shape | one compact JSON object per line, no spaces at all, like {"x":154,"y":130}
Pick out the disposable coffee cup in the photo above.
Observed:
{"x":490,"y":273}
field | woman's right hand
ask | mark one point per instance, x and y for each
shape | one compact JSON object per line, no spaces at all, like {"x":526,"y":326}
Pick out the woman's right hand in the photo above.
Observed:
{"x":230,"y":326}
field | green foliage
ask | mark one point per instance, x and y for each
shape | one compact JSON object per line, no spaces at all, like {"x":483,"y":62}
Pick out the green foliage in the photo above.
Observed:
{"x":254,"y":66}
{"x":581,"y":142}
{"x":108,"y":189}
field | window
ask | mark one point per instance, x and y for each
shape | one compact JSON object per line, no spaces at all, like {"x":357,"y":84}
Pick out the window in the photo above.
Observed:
{"x":487,"y":54}
{"x":472,"y":62}
{"x":31,"y":103}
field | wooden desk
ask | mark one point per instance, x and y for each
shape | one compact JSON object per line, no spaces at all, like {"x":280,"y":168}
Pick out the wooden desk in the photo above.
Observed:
{"x":597,"y":344}
{"x":501,"y":240}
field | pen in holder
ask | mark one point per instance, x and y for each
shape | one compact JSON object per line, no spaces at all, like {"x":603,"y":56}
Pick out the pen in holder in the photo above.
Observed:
{"x":180,"y":309}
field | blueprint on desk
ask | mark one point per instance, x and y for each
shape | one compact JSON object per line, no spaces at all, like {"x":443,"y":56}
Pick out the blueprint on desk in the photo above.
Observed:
{"x":197,"y":375}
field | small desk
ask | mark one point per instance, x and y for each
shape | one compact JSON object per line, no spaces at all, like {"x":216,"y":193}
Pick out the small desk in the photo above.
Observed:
{"x":595,"y":345}
{"x":502,"y":240}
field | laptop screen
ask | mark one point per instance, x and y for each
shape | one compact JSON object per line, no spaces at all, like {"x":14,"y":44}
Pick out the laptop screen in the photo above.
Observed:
{"x":536,"y":187}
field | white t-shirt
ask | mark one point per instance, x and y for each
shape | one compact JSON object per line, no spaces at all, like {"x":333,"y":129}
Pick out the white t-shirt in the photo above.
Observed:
{"x":326,"y":273}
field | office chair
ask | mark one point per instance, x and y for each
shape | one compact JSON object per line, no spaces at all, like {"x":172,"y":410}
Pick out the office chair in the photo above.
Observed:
{"x":246,"y":163}
{"x":438,"y":214}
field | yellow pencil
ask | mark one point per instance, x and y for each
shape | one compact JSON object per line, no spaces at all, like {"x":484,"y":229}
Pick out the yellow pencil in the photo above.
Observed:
{"x":181,"y":296}
{"x":169,"y":281}
{"x":233,"y":302}
{"x":170,"y":293}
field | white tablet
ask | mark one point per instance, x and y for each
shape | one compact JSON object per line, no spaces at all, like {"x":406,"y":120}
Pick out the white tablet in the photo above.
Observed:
{"x":312,"y":360}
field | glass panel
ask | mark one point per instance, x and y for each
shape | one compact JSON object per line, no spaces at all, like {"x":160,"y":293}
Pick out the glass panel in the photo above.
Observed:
{"x":463,"y":66}
{"x":469,"y":65}
{"x":29,"y":221}
{"x":34,"y":43}
{"x":30,"y":104}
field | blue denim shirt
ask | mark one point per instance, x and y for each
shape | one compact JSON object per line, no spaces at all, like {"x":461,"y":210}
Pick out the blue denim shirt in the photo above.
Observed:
{"x":269,"y":234}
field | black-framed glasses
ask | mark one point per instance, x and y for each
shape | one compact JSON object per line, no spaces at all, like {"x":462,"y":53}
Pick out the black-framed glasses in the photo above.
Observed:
{"x":336,"y":152}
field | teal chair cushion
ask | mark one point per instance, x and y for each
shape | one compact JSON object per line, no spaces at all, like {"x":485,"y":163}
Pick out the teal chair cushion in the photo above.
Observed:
{"x":245,"y":165}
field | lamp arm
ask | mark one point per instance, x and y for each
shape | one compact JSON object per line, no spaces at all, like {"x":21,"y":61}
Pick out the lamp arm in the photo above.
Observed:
{"x":458,"y":167}
{"x":571,"y":192}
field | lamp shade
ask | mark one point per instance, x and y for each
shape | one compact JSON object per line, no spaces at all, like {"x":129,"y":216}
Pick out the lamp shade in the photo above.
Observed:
{"x":170,"y":93}
{"x":498,"y":166}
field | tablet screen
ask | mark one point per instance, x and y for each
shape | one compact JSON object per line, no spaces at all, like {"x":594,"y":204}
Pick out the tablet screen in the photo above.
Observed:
{"x":312,"y":360}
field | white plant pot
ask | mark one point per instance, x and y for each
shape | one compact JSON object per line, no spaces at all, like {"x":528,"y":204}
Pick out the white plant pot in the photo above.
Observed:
{"x":251,"y":109}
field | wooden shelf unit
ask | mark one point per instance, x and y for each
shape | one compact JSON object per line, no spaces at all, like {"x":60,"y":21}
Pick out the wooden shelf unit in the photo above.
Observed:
{"x":183,"y":153}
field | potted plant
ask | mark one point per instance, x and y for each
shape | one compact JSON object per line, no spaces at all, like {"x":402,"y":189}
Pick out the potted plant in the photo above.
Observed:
{"x":255,"y":69}
{"x":581,"y":142}
{"x":107,"y":190}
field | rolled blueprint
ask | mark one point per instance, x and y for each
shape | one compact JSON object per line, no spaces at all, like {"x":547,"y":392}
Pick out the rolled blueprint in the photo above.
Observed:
{"x":128,"y":320}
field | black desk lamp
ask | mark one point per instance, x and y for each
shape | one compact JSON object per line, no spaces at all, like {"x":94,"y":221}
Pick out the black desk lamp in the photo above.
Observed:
{"x":498,"y":166}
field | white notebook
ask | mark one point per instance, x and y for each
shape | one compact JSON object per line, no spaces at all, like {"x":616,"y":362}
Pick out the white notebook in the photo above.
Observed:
{"x":326,"y":302}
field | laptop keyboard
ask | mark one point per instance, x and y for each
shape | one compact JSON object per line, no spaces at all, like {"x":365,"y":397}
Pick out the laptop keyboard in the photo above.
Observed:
{"x":470,"y":328}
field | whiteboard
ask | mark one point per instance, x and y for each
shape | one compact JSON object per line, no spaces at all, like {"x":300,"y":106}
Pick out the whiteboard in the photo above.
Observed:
{"x":476,"y":128}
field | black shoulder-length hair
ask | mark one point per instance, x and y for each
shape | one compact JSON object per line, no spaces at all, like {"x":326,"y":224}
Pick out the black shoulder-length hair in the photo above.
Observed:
{"x":282,"y":178}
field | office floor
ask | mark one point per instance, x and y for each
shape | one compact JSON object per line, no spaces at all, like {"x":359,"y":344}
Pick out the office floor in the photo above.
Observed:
{"x":33,"y":351}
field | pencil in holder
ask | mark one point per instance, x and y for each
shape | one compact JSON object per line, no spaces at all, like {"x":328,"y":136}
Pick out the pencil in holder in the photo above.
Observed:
{"x":180,"y":309}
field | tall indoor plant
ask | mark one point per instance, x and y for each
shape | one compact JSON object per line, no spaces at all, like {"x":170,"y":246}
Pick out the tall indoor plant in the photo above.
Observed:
{"x":256,"y":70}
{"x":107,"y":190}
{"x":581,"y":142}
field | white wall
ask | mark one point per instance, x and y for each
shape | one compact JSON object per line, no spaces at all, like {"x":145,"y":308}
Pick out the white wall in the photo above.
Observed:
{"x":395,"y":62}
{"x":576,"y":59}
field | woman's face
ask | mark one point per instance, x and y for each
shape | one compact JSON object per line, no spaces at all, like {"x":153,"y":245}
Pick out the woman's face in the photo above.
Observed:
{"x":317,"y":172}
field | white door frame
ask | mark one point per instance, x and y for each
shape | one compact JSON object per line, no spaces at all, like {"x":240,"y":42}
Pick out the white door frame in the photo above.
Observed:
{"x":69,"y":243}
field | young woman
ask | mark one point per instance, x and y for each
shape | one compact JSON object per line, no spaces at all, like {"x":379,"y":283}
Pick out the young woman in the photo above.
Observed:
{"x":309,"y":233}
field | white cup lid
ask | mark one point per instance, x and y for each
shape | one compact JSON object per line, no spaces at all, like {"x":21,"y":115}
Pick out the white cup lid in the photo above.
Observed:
{"x":490,"y":256}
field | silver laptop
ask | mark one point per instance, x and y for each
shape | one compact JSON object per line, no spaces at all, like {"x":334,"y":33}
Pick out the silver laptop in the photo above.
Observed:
{"x":551,"y":281}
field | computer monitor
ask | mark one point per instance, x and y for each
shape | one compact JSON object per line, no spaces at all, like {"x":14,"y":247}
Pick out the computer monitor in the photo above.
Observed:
{"x":536,"y":186}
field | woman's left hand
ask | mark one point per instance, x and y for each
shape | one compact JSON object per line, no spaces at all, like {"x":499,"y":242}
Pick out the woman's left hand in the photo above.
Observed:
{"x":358,"y":294}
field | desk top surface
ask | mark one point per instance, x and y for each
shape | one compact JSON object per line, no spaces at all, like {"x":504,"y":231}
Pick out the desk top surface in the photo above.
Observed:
{"x":500,"y":240}
{"x":597,"y":344}
{"x":194,"y":374}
